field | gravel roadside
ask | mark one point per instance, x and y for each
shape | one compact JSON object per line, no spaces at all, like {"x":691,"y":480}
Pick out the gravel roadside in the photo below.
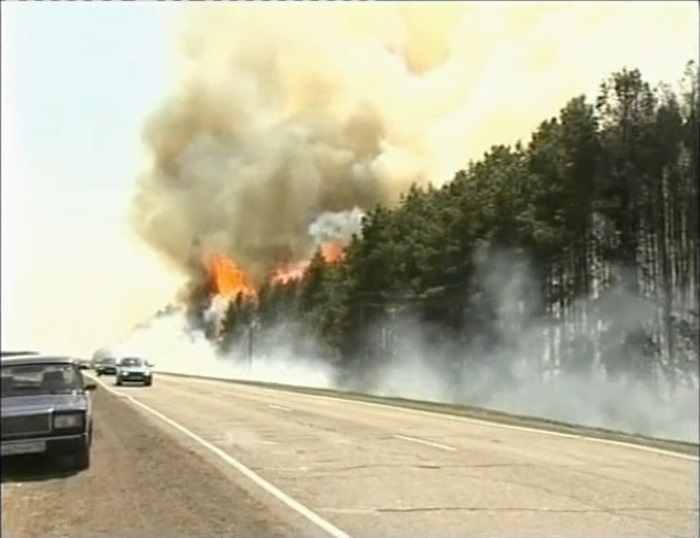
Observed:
{"x":140,"y":481}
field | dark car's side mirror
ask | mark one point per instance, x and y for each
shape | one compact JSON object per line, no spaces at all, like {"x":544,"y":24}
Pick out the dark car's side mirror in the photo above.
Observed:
{"x":90,"y":386}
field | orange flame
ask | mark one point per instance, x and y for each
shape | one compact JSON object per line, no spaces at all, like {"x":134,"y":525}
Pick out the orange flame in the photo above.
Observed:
{"x":292,"y":272}
{"x":332,"y":252}
{"x":228,"y":280}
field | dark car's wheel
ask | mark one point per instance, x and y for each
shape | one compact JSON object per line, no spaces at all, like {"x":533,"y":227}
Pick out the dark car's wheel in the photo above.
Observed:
{"x":118,"y":382}
{"x":148,"y":383}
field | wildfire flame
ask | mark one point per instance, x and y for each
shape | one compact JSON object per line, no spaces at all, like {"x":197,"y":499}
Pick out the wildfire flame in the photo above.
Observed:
{"x":228,"y":280}
{"x":331,"y":252}
{"x":291,"y":272}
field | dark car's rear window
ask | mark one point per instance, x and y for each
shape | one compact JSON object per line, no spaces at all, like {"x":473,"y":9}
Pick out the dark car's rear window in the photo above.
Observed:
{"x":40,"y":378}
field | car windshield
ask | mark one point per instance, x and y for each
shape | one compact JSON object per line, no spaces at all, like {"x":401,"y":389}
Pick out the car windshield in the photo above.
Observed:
{"x":48,"y":378}
{"x":106,"y":361}
{"x":131,"y":362}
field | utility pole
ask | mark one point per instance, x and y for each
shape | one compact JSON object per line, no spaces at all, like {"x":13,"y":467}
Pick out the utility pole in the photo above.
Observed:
{"x":253,"y":325}
{"x":250,"y":346}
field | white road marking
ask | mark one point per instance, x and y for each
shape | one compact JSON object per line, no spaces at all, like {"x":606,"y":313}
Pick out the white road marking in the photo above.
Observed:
{"x":295,"y":505}
{"x":426,"y":442}
{"x":280,"y":407}
{"x":468,"y":420}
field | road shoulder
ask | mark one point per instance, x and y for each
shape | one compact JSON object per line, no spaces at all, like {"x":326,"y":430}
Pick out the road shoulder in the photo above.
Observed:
{"x":142,"y":479}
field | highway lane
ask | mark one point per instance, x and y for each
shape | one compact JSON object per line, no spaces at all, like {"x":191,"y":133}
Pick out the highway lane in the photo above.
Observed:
{"x":378,"y":470}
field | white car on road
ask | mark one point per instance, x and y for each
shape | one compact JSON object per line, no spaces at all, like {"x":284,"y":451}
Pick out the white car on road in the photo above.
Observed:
{"x":133,"y":370}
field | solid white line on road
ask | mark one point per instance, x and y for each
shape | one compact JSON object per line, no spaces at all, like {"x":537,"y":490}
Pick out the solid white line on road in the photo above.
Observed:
{"x":295,"y":505}
{"x":426,"y":442}
{"x":280,"y":407}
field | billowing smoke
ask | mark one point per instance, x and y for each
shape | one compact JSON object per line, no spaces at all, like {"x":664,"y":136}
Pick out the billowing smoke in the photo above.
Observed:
{"x":337,"y":226}
{"x":285,"y":111}
{"x":275,"y":124}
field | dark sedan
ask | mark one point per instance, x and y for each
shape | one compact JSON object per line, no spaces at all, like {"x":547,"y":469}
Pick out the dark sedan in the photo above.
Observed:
{"x":46,"y":409}
{"x":105,"y":366}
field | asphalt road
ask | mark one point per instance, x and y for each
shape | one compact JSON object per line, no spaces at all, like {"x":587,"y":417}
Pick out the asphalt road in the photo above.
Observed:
{"x":369,"y":470}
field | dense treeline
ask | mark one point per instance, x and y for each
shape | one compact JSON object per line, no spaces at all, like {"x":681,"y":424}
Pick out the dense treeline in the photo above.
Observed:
{"x":594,"y":221}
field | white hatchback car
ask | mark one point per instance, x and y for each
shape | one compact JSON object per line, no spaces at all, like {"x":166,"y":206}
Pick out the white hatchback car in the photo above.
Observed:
{"x":134,"y":370}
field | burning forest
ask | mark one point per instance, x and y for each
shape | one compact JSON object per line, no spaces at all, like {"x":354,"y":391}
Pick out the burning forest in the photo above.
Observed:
{"x":547,"y":271}
{"x":217,"y":282}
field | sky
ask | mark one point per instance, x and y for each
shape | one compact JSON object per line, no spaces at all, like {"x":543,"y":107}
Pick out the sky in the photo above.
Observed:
{"x":80,"y":79}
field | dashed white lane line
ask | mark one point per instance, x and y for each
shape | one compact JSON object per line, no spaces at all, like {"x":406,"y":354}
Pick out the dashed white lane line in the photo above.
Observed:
{"x":295,"y":505}
{"x":279,"y":407}
{"x":426,"y":442}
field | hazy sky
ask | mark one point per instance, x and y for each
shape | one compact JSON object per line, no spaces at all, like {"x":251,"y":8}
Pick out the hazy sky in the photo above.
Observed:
{"x":80,"y":78}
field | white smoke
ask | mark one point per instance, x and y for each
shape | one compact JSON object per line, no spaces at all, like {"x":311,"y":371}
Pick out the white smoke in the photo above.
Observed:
{"x":173,"y":345}
{"x":521,"y":375}
{"x":338,"y":226}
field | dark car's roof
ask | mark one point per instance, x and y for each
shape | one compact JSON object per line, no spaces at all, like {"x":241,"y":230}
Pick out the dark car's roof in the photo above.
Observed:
{"x":37,"y":359}
{"x":19,"y":353}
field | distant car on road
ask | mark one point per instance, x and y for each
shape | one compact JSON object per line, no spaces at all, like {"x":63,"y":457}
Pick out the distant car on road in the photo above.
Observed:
{"x":133,"y":370}
{"x":46,"y":408}
{"x":105,"y":366}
